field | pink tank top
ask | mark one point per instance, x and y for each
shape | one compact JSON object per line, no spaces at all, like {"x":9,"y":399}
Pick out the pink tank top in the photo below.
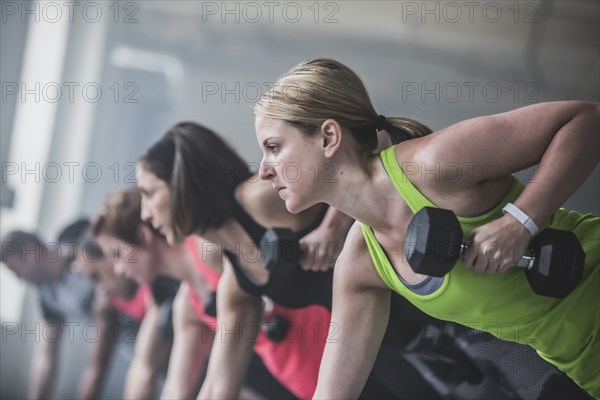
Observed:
{"x":134,"y":307}
{"x":294,"y":361}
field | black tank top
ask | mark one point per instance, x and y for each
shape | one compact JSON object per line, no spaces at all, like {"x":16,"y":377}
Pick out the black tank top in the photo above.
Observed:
{"x":298,"y":289}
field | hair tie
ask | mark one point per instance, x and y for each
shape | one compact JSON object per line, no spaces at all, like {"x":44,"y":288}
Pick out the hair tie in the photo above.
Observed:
{"x":164,"y":151}
{"x":380,"y":123}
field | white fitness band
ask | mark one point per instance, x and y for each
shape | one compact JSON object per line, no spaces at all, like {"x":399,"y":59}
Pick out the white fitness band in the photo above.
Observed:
{"x":520,"y":216}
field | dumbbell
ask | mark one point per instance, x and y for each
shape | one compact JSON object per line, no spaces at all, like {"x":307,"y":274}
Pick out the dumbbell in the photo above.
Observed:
{"x":554,"y":259}
{"x":210,"y":305}
{"x":280,"y":250}
{"x":276,"y":328}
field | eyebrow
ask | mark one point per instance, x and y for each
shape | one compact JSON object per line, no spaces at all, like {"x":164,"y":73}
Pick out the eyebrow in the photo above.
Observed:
{"x":267,"y":139}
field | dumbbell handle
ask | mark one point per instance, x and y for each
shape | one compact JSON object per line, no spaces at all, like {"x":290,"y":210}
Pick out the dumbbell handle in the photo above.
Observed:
{"x":527,"y":261}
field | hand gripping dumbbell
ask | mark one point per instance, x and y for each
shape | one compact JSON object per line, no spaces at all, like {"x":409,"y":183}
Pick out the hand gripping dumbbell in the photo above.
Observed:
{"x":280,"y":250}
{"x":554,"y":259}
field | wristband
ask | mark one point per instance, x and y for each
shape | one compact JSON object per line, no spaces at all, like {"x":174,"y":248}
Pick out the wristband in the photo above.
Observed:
{"x":520,"y":216}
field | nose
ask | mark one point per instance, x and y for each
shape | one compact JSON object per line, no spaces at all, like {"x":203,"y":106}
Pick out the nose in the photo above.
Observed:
{"x":146,"y":214}
{"x":267,"y":170}
{"x":119,"y":268}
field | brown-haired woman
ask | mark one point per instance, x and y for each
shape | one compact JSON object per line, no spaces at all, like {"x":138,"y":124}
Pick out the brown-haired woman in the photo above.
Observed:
{"x":142,"y":253}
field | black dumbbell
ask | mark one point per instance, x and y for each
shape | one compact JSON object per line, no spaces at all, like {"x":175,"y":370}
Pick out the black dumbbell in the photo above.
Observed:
{"x":554,"y":259}
{"x":280,"y":250}
{"x":210,"y":305}
{"x":276,"y":328}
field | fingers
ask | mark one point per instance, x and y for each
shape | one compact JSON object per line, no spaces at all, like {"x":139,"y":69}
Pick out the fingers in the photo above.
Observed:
{"x":488,"y":258}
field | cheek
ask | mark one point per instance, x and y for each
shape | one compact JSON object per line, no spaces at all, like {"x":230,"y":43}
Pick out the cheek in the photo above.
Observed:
{"x":143,"y":264}
{"x":161,"y":207}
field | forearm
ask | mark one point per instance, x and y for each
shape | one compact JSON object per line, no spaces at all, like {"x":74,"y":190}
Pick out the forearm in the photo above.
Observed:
{"x":91,"y":384}
{"x":45,"y":364}
{"x":95,"y":372}
{"x":228,"y":366}
{"x":360,"y":313}
{"x":569,"y":159}
{"x":189,"y":355}
{"x":150,"y":355}
{"x":184,"y":384}
{"x":43,"y":372}
{"x":343,"y":373}
{"x":232,"y":350}
{"x":140,"y":382}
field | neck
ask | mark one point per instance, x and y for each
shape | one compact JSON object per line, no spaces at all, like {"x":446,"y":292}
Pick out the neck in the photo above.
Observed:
{"x":176,"y":262}
{"x":362,"y":192}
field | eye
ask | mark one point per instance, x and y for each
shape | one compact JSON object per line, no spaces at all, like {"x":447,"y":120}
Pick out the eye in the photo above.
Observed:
{"x":272,"y":148}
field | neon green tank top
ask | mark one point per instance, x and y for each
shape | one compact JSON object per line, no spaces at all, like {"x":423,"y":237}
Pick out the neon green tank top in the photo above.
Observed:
{"x":563,"y":332}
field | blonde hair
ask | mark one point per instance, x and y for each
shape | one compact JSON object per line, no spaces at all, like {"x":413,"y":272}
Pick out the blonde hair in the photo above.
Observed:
{"x":321,"y":88}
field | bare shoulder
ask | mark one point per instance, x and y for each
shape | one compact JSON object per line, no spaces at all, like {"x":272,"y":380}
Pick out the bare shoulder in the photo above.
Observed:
{"x":355,"y":268}
{"x":261,"y":201}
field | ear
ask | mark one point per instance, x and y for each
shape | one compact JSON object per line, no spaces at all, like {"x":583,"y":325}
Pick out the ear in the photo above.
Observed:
{"x":331,"y":134}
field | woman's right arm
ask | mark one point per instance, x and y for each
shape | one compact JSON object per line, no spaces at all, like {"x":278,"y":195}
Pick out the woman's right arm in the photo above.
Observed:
{"x":239,"y":316}
{"x":361,"y":306}
{"x":45,"y":363}
{"x":106,"y":317}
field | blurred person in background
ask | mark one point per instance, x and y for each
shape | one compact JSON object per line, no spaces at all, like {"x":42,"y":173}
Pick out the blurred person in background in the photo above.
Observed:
{"x":75,"y":281}
{"x":119,"y":229}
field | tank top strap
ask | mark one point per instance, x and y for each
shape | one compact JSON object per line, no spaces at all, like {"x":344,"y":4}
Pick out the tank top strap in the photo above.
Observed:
{"x":254,"y":230}
{"x":207,"y":272}
{"x":415,"y":199}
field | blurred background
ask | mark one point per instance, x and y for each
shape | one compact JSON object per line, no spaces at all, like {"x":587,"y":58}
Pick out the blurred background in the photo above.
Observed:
{"x":88,"y":86}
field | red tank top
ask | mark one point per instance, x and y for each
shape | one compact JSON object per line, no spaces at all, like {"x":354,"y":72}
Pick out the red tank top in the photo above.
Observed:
{"x":294,"y":361}
{"x":134,"y":307}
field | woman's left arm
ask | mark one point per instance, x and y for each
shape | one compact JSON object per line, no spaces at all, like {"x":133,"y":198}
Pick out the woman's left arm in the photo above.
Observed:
{"x":562,"y":137}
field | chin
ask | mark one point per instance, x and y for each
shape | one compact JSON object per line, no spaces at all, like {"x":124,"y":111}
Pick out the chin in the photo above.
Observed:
{"x":295,"y":207}
{"x":170,"y":239}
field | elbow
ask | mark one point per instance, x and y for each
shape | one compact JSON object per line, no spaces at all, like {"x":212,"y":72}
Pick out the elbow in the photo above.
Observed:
{"x":591,"y":112}
{"x":585,"y":130}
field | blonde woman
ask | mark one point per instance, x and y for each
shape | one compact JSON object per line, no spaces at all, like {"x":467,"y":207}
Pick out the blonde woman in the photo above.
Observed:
{"x":327,"y":123}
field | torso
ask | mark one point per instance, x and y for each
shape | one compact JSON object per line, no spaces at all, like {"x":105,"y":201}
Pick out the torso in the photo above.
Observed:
{"x":464,"y":200}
